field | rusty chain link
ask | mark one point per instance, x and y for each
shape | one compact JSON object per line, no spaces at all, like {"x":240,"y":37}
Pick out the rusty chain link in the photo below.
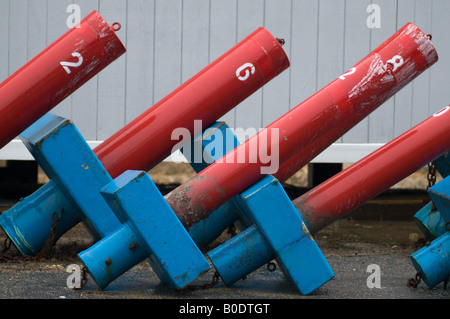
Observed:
{"x":414,"y":282}
{"x":431,"y":177}
{"x":49,"y":243}
{"x":83,"y":281}
{"x":214,"y":281}
{"x":40,"y":255}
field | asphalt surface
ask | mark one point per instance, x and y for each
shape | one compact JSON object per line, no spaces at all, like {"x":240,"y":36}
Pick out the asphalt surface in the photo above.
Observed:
{"x":349,"y":246}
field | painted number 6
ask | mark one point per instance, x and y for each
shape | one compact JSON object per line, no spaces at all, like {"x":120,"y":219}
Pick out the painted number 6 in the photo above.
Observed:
{"x":249,"y":69}
{"x":66,"y":65}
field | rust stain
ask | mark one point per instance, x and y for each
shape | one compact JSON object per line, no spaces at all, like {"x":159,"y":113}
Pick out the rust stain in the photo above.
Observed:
{"x":194,"y":200}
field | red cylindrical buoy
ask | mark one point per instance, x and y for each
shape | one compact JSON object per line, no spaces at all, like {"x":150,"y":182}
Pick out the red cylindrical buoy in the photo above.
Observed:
{"x":389,"y":164}
{"x":333,"y":110}
{"x":55,"y":73}
{"x":207,"y":96}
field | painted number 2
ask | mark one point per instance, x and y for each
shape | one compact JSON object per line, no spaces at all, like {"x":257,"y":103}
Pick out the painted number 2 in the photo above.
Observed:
{"x":351,"y":71}
{"x":396,"y":62}
{"x":66,"y":65}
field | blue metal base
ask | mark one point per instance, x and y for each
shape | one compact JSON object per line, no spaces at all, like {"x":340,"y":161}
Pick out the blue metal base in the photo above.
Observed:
{"x":203,"y":150}
{"x":433,"y":261}
{"x":443,"y":165}
{"x":149,"y":225}
{"x":250,"y":249}
{"x":440,"y":195}
{"x":28,"y":223}
{"x":277,"y":232}
{"x":429,"y":219}
{"x":73,"y":192}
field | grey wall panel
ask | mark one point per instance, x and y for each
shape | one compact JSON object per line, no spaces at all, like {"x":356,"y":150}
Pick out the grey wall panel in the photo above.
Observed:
{"x":440,"y":74}
{"x":85,"y":99}
{"x":223,"y":35}
{"x":356,"y":47}
{"x":169,"y":41}
{"x":140,"y":57}
{"x":4,"y":39}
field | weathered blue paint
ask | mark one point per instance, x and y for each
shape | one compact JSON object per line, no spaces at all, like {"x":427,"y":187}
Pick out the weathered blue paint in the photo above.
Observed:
{"x":429,"y":218}
{"x":433,"y":261}
{"x":279,"y":225}
{"x":443,"y":165}
{"x":440,"y":195}
{"x":28,"y":223}
{"x":203,"y":150}
{"x":77,"y":176}
{"x":70,"y":163}
{"x":241,"y":255}
{"x":148,"y":224}
{"x":73,"y":193}
{"x":430,"y":221}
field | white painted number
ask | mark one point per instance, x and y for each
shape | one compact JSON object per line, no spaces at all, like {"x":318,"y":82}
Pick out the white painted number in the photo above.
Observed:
{"x":351,"y":71}
{"x":66,"y":65}
{"x":397,"y":61}
{"x":248,"y":68}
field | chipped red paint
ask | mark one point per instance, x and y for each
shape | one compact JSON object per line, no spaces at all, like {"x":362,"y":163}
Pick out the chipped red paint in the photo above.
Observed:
{"x":409,"y":42}
{"x":44,"y":82}
{"x":312,"y":125}
{"x":207,"y":96}
{"x":396,"y":160}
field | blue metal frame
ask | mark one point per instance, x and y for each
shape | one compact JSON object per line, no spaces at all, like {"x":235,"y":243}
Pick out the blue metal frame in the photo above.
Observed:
{"x":277,"y":231}
{"x":149,"y":225}
{"x":433,"y":261}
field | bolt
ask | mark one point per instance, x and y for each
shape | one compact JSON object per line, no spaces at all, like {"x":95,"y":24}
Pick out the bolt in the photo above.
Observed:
{"x":108,"y":261}
{"x":281,"y":41}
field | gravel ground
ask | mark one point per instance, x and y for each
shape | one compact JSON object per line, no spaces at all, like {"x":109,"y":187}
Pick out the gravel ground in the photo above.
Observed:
{"x":349,"y":246}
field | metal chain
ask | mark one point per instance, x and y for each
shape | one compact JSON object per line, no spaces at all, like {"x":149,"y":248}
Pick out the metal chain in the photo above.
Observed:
{"x":431,"y":174}
{"x":6,"y":245}
{"x":39,"y":256}
{"x":83,"y":281}
{"x":214,"y":281}
{"x":431,"y":177}
{"x":414,"y":282}
{"x":51,"y":238}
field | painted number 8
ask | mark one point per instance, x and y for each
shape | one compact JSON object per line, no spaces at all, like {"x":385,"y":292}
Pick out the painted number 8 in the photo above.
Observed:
{"x":396,"y":61}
